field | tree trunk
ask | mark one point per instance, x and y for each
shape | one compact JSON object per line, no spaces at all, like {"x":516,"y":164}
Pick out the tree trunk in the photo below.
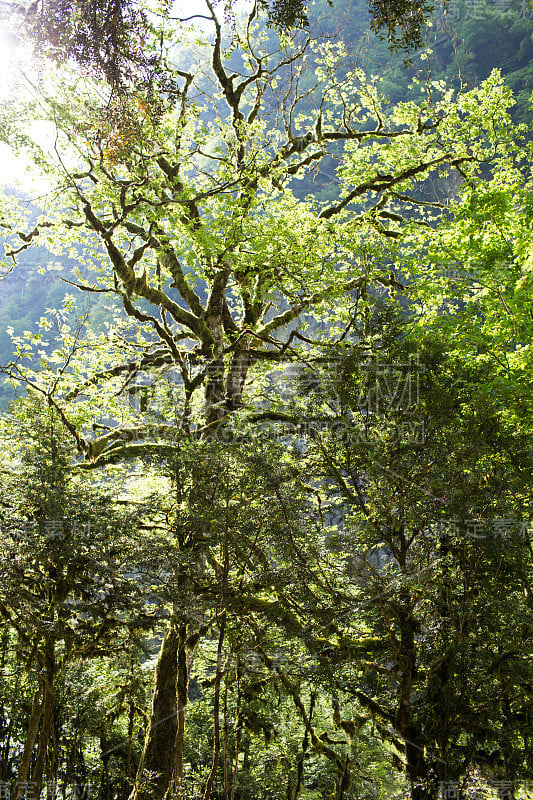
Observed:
{"x":157,"y":763}
{"x":48,"y":709}
{"x":185,"y":657}
{"x":237,"y":372}
{"x":33,"y":727}
{"x":5,"y":750}
{"x":422,"y":784}
{"x":216,"y":712}
{"x":305,"y":747}
{"x":104,"y":756}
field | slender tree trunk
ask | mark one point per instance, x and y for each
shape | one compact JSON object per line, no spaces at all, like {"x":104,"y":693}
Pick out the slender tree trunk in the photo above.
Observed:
{"x":423,"y":786}
{"x":104,"y":756}
{"x":51,"y":773}
{"x":31,"y":736}
{"x":238,"y":726}
{"x":48,"y":717}
{"x":344,"y":783}
{"x":3,"y":715}
{"x":131,"y":722}
{"x":157,"y":763}
{"x":225,"y":739}
{"x":44,"y":737}
{"x":185,"y":658}
{"x":216,"y":712}
{"x":305,"y":747}
{"x":6,"y":748}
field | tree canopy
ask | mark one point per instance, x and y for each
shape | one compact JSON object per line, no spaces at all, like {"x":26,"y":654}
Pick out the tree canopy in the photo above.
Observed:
{"x":298,"y":431}
{"x":112,"y":36}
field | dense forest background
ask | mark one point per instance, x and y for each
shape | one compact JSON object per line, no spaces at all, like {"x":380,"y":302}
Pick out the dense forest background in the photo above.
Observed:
{"x":272,"y":539}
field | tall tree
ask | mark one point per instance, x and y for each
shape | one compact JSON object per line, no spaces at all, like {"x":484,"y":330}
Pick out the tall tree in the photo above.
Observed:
{"x":430,"y":486}
{"x":74,"y":585}
{"x":193,"y":220}
{"x":187,"y":201}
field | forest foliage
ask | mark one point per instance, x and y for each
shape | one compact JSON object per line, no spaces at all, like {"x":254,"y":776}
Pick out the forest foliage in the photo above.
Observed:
{"x":267,"y":494}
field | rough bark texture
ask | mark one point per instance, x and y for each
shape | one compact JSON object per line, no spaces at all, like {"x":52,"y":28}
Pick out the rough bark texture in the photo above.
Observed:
{"x":182,"y":688}
{"x":418,"y":769}
{"x":47,"y":716}
{"x":156,"y":767}
{"x":33,"y":728}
